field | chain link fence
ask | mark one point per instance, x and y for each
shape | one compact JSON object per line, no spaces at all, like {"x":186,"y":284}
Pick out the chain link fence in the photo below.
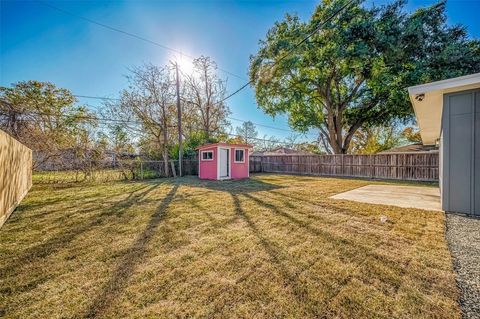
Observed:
{"x":125,"y":170}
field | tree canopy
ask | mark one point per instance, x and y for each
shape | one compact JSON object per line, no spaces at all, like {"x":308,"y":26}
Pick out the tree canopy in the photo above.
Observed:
{"x":43,"y":117}
{"x":354,"y":71}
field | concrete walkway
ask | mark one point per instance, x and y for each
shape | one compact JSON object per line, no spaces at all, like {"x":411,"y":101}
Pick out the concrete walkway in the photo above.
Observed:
{"x":402,"y":196}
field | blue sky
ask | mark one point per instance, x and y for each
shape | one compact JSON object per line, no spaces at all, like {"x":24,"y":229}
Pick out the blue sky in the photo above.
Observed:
{"x":41,"y":43}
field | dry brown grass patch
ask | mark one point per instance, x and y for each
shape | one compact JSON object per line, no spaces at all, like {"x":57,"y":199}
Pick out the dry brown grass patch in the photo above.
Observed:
{"x":272,"y":246}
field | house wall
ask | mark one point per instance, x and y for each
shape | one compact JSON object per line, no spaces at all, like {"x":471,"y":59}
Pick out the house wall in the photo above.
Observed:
{"x":15,"y":174}
{"x":208,"y":169}
{"x":461,"y":152}
{"x":440,"y":167}
{"x":239,"y":170}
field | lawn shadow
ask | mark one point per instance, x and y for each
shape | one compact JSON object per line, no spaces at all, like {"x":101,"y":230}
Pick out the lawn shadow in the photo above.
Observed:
{"x":130,"y":259}
{"x":212,"y":220}
{"x":350,"y":250}
{"x":61,"y":240}
{"x":341,"y":243}
{"x":240,"y":186}
{"x":277,"y":256}
{"x":330,"y":207}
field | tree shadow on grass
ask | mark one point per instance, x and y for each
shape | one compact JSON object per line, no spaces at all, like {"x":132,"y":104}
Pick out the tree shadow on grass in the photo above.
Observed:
{"x":61,"y":240}
{"x":350,"y":250}
{"x":126,"y":266}
{"x":218,"y":224}
{"x":277,"y":257}
{"x":329,"y":208}
{"x":240,"y":186}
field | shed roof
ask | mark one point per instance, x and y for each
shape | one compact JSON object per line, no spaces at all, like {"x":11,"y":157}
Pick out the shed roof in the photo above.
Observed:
{"x":427,"y":101}
{"x":223,"y":144}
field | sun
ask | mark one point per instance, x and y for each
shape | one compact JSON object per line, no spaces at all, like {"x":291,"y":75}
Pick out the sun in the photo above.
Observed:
{"x":185,"y":65}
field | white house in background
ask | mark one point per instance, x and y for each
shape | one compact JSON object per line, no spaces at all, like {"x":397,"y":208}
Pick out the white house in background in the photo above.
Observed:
{"x":448,"y":114}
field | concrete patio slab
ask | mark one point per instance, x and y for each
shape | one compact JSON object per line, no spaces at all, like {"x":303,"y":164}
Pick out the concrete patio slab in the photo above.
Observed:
{"x":402,"y":196}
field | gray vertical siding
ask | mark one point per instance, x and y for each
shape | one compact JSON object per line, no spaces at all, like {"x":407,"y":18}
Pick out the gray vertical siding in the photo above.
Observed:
{"x":460,"y":152}
{"x":476,"y":161}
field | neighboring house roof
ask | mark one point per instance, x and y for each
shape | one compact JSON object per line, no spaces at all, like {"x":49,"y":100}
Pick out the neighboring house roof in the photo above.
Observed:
{"x":427,"y":101}
{"x":411,"y":149}
{"x":280,"y":151}
{"x":223,"y":144}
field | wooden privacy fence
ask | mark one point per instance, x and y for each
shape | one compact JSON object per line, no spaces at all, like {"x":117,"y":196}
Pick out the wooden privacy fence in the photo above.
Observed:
{"x":419,"y":166}
{"x":15,"y":174}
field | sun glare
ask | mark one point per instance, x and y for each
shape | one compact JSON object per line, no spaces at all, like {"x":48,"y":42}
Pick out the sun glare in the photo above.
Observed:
{"x":185,"y":64}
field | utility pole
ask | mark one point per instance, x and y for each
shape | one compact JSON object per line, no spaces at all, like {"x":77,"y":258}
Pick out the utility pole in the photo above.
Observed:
{"x":180,"y":133}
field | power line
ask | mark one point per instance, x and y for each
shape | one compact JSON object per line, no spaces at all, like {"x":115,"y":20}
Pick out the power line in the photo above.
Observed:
{"x":319,"y":26}
{"x":251,"y":138}
{"x":106,"y":121}
{"x":96,"y":97}
{"x":228,"y":117}
{"x":138,"y":37}
{"x":80,"y":117}
{"x":317,"y":29}
{"x":267,"y":126}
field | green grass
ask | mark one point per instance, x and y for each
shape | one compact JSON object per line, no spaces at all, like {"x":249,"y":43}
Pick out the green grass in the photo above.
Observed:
{"x":273,"y":246}
{"x":96,"y":176}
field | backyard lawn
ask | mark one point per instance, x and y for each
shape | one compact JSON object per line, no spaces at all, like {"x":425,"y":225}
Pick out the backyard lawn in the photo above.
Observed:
{"x":269,"y":247}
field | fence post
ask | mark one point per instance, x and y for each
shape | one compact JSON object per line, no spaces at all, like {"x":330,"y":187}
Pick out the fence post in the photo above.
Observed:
{"x":173,"y":169}
{"x":396,"y":166}
{"x":141,"y":169}
{"x":372,"y":168}
{"x":342,"y":170}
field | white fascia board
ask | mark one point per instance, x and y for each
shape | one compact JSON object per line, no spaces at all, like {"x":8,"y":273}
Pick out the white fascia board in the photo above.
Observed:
{"x":445,"y":84}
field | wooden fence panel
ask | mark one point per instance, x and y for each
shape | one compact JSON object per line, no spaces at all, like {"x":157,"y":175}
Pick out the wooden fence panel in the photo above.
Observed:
{"x":15,"y":174}
{"x":402,"y":166}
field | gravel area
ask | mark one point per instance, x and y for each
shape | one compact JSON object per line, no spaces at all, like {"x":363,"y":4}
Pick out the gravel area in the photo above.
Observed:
{"x":463,"y":236}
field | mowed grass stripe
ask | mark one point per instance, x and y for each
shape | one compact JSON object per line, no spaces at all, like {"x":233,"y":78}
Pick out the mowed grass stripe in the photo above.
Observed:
{"x":268,"y":247}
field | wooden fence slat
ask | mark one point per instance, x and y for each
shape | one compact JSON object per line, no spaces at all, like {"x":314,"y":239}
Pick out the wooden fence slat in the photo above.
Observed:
{"x":400,"y":166}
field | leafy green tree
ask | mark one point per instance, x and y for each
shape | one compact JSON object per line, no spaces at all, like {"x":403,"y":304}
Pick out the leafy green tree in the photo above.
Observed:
{"x":190,"y":145}
{"x":354,"y":72}
{"x":120,"y":140}
{"x":43,"y":117}
{"x":371,"y":140}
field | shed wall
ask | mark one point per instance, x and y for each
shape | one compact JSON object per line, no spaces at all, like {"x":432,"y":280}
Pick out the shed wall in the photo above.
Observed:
{"x":208,"y":169}
{"x":239,"y":170}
